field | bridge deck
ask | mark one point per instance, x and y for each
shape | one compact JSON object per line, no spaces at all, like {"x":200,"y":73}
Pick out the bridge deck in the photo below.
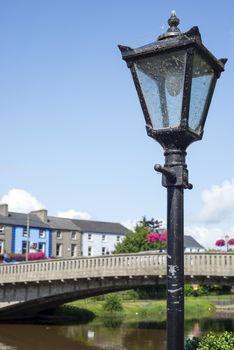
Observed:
{"x":150,"y":264}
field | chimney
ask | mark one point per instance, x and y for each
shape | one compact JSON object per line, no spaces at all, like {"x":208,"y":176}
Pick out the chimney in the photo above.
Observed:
{"x":41,"y":214}
{"x":4,"y":209}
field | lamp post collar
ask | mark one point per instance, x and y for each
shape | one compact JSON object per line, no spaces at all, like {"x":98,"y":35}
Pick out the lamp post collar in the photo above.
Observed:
{"x":173,"y":29}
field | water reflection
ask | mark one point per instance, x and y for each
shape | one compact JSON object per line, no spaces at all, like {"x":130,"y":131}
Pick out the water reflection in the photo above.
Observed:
{"x":6,"y":347}
{"x":96,"y":335}
{"x":123,"y":338}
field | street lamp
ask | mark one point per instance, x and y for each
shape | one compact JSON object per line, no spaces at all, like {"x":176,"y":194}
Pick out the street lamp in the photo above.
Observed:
{"x":175,"y":79}
{"x":28,"y":238}
{"x":226,"y":241}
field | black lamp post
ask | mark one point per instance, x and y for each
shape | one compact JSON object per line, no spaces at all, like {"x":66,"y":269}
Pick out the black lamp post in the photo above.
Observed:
{"x":175,"y":79}
{"x":226,"y":241}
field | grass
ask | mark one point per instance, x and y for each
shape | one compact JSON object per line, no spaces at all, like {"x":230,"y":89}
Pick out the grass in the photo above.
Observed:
{"x":220,"y":297}
{"x":142,"y":310}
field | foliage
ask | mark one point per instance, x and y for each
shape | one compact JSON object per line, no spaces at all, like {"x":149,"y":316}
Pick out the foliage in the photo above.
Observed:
{"x":113,"y":321}
{"x":142,"y":310}
{"x":231,"y":241}
{"x":224,"y":341}
{"x":130,"y":294}
{"x":188,"y":290}
{"x":136,"y":241}
{"x":204,"y":289}
{"x":192,"y":344}
{"x":151,"y":292}
{"x":112,"y":303}
{"x":153,"y":224}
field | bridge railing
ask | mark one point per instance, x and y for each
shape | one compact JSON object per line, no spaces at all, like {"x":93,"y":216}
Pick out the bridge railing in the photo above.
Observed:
{"x":141,"y":264}
{"x":212,"y":264}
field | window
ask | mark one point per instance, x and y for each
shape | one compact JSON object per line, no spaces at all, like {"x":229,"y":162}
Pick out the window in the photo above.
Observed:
{"x":1,"y":247}
{"x":59,"y":235}
{"x":89,"y":251}
{"x":2,"y":229}
{"x":41,"y":247}
{"x":103,"y":237}
{"x":118,"y":238}
{"x":103,"y":250}
{"x":73,"y":250}
{"x":25,"y":232}
{"x":41,"y":233}
{"x":73,"y":235}
{"x":89,"y":236}
{"x":33,"y":246}
{"x":59,"y":249}
{"x":24,"y":247}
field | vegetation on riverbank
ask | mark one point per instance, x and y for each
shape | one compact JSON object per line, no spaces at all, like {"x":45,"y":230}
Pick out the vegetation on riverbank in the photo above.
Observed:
{"x":212,"y":341}
{"x":139,"y":310}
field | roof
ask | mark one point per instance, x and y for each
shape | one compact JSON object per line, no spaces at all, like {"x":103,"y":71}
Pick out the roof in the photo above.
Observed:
{"x":190,"y":242}
{"x":100,"y":226}
{"x":20,"y":219}
{"x":62,"y":224}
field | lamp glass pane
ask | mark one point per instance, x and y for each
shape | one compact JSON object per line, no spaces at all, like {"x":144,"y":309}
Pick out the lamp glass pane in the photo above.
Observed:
{"x":161,"y":80}
{"x":202,"y":79}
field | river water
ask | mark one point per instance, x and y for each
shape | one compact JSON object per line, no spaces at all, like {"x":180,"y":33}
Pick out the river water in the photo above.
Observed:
{"x":109,"y":336}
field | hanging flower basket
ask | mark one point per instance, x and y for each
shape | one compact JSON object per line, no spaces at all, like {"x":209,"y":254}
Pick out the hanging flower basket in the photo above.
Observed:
{"x":152,"y":237}
{"x":163,"y":237}
{"x":231,"y":241}
{"x":220,"y":243}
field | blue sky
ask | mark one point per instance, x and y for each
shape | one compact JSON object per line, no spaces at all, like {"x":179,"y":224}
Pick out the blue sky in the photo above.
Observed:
{"x":72,"y":130}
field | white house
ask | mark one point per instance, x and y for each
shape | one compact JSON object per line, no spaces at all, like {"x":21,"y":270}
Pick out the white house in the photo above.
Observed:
{"x":192,"y":246}
{"x":98,"y":237}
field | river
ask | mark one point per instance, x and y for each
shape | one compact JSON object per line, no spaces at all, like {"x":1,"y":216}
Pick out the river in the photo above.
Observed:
{"x":108,"y":336}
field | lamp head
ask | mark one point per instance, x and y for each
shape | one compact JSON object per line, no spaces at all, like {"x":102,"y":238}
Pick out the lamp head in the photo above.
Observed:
{"x":175,"y":78}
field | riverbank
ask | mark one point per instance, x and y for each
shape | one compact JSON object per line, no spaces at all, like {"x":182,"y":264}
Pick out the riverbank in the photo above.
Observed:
{"x":139,"y":310}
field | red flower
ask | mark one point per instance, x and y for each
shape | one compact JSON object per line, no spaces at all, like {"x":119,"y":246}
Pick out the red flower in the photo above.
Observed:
{"x":220,"y":243}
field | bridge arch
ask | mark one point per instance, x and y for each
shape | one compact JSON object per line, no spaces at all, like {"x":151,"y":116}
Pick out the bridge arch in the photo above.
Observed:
{"x":30,"y":287}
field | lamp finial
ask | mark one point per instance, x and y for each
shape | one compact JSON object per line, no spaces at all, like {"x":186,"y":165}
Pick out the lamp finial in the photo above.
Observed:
{"x":173,"y":22}
{"x":173,"y":30}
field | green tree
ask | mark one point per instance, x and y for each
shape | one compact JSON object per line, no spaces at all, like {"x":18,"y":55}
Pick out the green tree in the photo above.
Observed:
{"x":112,"y":303}
{"x":136,"y":241}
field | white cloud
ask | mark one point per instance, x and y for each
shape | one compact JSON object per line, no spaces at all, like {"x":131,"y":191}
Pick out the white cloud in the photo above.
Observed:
{"x":206,"y":236}
{"x":130,"y":223}
{"x":218,"y":202}
{"x":21,"y":201}
{"x":73,"y":214}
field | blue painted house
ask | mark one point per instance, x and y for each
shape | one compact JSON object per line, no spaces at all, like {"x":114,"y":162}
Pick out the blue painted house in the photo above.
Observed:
{"x":15,"y":226}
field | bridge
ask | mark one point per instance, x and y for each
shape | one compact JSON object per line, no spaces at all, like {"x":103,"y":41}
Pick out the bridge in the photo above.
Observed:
{"x":30,"y":287}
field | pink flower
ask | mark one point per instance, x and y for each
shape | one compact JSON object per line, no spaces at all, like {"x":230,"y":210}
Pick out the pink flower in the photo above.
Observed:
{"x":231,"y":241}
{"x":36,"y":256}
{"x":152,"y":237}
{"x":220,"y":243}
{"x":163,"y":237}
